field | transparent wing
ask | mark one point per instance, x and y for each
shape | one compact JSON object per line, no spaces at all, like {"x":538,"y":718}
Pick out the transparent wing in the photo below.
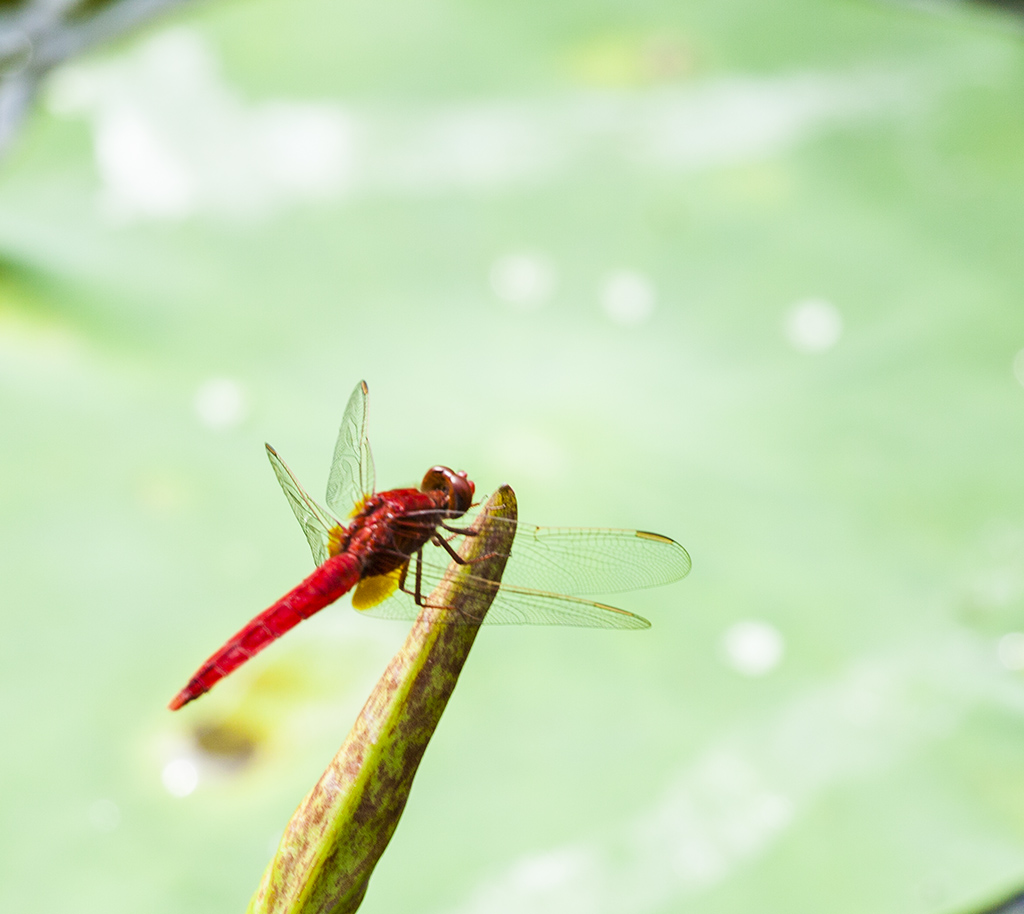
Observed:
{"x":582,"y":560}
{"x":588,"y":560}
{"x":512,"y":606}
{"x":314,"y":520}
{"x":522,"y":606}
{"x":352,"y":476}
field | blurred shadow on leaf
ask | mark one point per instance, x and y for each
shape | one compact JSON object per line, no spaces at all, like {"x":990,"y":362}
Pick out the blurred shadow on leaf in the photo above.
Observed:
{"x":1012,"y":905}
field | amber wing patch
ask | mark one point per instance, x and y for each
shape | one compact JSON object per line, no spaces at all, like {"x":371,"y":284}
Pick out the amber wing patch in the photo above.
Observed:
{"x":371,"y":591}
{"x":359,"y":507}
{"x":334,"y":539}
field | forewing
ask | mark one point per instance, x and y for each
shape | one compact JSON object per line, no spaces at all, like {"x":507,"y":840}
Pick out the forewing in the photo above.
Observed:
{"x":585,"y":560}
{"x":581,"y":560}
{"x":315,"y":522}
{"x":352,"y":477}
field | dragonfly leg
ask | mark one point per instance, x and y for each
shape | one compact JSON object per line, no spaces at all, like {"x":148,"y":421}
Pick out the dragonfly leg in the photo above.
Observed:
{"x":458,"y":559}
{"x":401,"y":579}
{"x":417,"y":593}
{"x":444,"y":544}
{"x":417,"y":590}
{"x":419,"y":577}
{"x":464,"y":531}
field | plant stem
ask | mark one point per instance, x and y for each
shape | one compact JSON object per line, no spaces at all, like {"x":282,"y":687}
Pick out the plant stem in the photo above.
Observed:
{"x":340,"y":830}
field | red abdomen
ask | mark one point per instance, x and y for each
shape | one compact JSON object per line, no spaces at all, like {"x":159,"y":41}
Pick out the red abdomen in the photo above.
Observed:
{"x":331,"y":580}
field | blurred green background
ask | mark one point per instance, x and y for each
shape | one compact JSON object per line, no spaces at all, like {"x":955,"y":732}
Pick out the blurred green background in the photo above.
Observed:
{"x":748,"y":275}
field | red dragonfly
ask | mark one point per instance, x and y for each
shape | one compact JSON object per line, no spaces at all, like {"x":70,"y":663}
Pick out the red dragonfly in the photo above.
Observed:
{"x":547,"y":569}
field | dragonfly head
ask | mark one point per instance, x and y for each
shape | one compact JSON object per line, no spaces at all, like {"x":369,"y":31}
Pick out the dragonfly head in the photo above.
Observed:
{"x":457,"y":487}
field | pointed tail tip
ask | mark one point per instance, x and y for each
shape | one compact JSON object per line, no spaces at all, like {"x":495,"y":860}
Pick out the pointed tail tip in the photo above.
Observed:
{"x":180,"y":700}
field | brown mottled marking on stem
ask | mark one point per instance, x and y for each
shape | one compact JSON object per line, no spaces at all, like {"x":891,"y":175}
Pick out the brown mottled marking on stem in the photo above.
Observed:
{"x":338,"y":833}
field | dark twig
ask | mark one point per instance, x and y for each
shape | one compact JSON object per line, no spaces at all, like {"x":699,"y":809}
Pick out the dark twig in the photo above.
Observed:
{"x":38,"y":35}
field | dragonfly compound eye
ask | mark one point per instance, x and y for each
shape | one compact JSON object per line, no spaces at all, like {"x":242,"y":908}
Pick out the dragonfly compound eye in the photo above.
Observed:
{"x":457,"y":486}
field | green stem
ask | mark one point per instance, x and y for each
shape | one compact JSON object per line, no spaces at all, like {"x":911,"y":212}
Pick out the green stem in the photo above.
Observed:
{"x":336,"y":836}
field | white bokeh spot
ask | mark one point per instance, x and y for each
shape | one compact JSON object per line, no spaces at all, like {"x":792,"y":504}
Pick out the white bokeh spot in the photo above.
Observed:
{"x":1018,"y":367}
{"x":628,"y":297}
{"x":220,"y":403}
{"x":1011,"y":651}
{"x":180,"y":777}
{"x":753,"y":648}
{"x":104,"y":815}
{"x":522,"y":279}
{"x":813,"y":325}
